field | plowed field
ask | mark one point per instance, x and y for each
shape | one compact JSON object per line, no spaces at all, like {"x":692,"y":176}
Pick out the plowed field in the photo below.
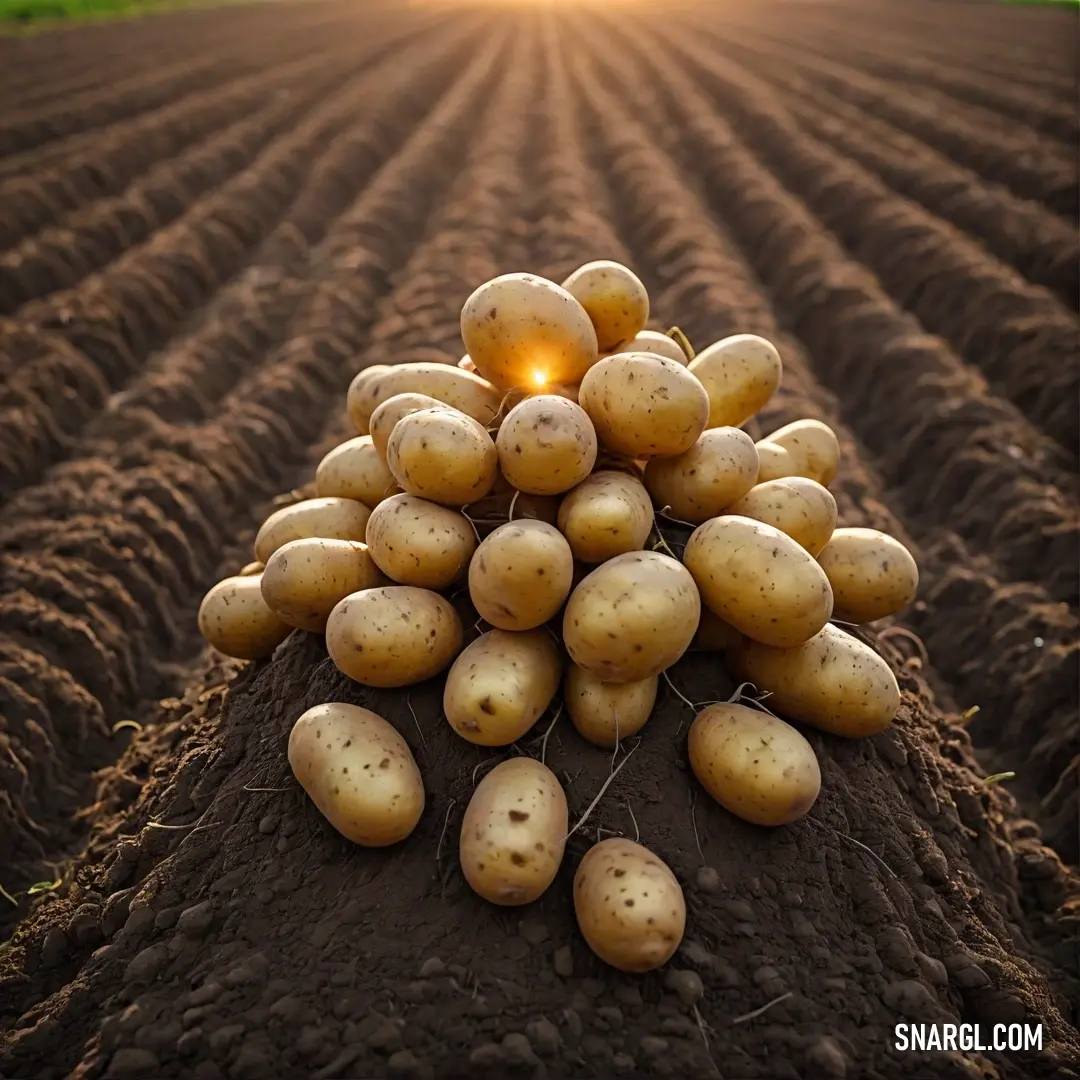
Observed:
{"x":211,"y":221}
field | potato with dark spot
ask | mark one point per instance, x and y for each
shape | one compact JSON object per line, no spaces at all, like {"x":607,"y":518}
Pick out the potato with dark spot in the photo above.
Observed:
{"x":753,"y":764}
{"x":396,"y":635}
{"x":632,"y":617}
{"x":329,"y":518}
{"x":759,"y":580}
{"x":513,"y":833}
{"x":740,"y":374}
{"x":306,"y":579}
{"x":721,"y":467}
{"x":872,"y":575}
{"x":384,"y":419}
{"x":605,"y":713}
{"x":608,"y":514}
{"x":416,"y":542}
{"x":442,"y":455}
{"x":354,"y":470}
{"x":796,"y":505}
{"x":235,"y":619}
{"x":812,"y":451}
{"x":614,"y":298}
{"x":521,"y":575}
{"x":644,"y":405}
{"x":652,"y":341}
{"x":500,"y":684}
{"x":359,"y":772}
{"x":546,"y":445}
{"x":629,"y":905}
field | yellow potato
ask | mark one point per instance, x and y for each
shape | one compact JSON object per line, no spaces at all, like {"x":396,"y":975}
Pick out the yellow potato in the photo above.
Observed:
{"x":871,"y":574}
{"x":546,"y":445}
{"x":740,"y":374}
{"x":795,"y":505}
{"x":719,"y":468}
{"x":753,"y":764}
{"x":354,"y":470}
{"x":416,"y":542}
{"x":604,"y":712}
{"x":442,"y":455}
{"x":759,"y":580}
{"x":494,"y":509}
{"x":466,"y":364}
{"x":713,"y":634}
{"x":234,"y":618}
{"x":814,"y":450}
{"x":251,"y":568}
{"x":614,"y":298}
{"x":774,"y":462}
{"x":833,"y":681}
{"x":629,"y":905}
{"x":643,"y":405}
{"x":462,"y":390}
{"x":396,"y":635}
{"x":523,"y":330}
{"x":606,"y":515}
{"x":652,"y":341}
{"x":329,"y":518}
{"x":384,"y":419}
{"x":514,"y":832}
{"x":358,"y":771}
{"x":521,"y":575}
{"x":306,"y":579}
{"x":632,"y":617}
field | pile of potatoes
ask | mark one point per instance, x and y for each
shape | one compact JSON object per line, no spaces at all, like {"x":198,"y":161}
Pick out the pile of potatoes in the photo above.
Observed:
{"x":533,"y":476}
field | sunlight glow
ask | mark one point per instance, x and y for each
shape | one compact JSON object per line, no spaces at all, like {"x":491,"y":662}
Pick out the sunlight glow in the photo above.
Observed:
{"x":539,"y":379}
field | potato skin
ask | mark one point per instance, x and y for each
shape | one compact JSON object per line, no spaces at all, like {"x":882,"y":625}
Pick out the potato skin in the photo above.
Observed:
{"x":740,"y":374}
{"x":629,"y":905}
{"x":632,"y":617}
{"x":395,"y":635}
{"x":834,"y":682}
{"x":521,"y":575}
{"x":872,"y":574}
{"x":500,"y":684}
{"x":721,"y":467}
{"x":753,"y":764}
{"x":795,"y":505}
{"x":605,"y":713}
{"x":613,"y":297}
{"x":384,"y":419}
{"x":814,"y":450}
{"x":608,"y":514}
{"x":523,"y":330}
{"x":251,"y":568}
{"x":354,"y":470}
{"x":329,"y":518}
{"x":513,"y":834}
{"x":546,"y":445}
{"x":466,"y":364}
{"x":644,"y":405}
{"x":235,"y":619}
{"x":759,"y":580}
{"x":416,"y":542}
{"x":652,"y":341}
{"x":774,"y":462}
{"x":306,"y":579}
{"x":442,"y":455}
{"x":359,"y":772}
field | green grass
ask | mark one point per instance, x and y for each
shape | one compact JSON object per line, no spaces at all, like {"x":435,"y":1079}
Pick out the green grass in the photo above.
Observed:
{"x":39,"y":14}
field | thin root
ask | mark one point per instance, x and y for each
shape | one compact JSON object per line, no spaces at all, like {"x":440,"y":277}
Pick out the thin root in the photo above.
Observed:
{"x":420,"y":730}
{"x":476,"y":531}
{"x":682,"y":341}
{"x":544,"y":742}
{"x":8,"y":897}
{"x":764,"y":1008}
{"x":513,"y":503}
{"x":903,"y":632}
{"x":693,"y":823}
{"x":701,"y":1027}
{"x":663,"y":512}
{"x":120,"y":725}
{"x":442,"y":834}
{"x":637,"y":831}
{"x":600,"y":794}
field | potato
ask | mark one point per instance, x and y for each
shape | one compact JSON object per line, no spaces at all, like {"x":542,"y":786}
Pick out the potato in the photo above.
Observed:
{"x":354,"y":470}
{"x":713,"y":634}
{"x":774,"y":462}
{"x":814,"y":450}
{"x":442,"y":455}
{"x":753,"y":764}
{"x":521,"y":575}
{"x":462,"y":390}
{"x":251,"y":568}
{"x":604,"y":712}
{"x":719,"y":468}
{"x":546,"y":445}
{"x":795,"y":505}
{"x":740,"y":374}
{"x":500,"y":684}
{"x":329,"y":518}
{"x":234,"y":618}
{"x":523,"y":330}
{"x":306,"y":579}
{"x":629,"y":905}
{"x":466,"y":364}
{"x":632,"y":617}
{"x":759,"y":580}
{"x":871,"y":574}
{"x":395,"y":635}
{"x":833,"y":681}
{"x":358,"y":771}
{"x":614,"y":298}
{"x":652,"y":341}
{"x":643,"y":405}
{"x":384,"y":419}
{"x":606,"y":515}
{"x":493,"y":510}
{"x":416,"y":542}
{"x":513,"y":833}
